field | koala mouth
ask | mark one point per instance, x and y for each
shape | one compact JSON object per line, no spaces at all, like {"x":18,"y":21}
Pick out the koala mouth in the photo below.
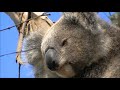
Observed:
{"x":65,"y":71}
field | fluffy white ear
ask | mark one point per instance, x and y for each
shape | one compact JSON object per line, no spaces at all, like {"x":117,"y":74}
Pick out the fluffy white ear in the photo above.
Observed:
{"x":88,"y":20}
{"x":33,"y":41}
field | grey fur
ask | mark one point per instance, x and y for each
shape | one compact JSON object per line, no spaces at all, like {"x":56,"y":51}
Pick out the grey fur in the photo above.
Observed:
{"x":92,"y":47}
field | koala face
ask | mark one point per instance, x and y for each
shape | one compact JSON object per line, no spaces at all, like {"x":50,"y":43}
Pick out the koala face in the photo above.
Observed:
{"x":68,"y":48}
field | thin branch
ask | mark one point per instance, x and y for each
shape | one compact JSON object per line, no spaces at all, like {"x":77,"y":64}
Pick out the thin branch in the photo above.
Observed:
{"x":20,"y":41}
{"x":19,"y":65}
{"x":19,"y":70}
{"x":22,"y":22}
{"x":110,"y":14}
{"x":16,"y":52}
{"x":8,"y":54}
{"x":106,"y":15}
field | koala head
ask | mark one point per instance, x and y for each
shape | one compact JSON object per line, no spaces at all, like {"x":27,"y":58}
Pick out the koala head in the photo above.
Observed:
{"x":71,"y":44}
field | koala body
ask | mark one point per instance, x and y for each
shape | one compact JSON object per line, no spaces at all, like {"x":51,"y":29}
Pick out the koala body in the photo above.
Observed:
{"x":80,"y":44}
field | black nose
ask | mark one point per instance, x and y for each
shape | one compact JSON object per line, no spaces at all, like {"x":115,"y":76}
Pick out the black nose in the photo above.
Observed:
{"x":51,"y":59}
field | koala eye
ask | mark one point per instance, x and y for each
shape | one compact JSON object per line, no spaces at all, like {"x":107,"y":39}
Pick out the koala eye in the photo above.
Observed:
{"x":64,"y":42}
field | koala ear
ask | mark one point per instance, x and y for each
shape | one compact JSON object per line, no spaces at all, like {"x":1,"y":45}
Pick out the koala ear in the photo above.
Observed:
{"x":87,"y":20}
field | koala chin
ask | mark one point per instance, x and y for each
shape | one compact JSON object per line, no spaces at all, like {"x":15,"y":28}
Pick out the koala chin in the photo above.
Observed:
{"x":65,"y":72}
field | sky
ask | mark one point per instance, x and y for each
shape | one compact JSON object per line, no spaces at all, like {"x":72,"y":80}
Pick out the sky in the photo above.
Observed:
{"x":8,"y":44}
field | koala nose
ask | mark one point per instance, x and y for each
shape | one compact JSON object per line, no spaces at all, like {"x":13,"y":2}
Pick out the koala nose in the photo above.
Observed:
{"x":51,"y":59}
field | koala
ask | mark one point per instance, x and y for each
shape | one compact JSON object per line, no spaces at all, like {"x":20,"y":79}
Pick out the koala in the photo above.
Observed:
{"x":78,"y":45}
